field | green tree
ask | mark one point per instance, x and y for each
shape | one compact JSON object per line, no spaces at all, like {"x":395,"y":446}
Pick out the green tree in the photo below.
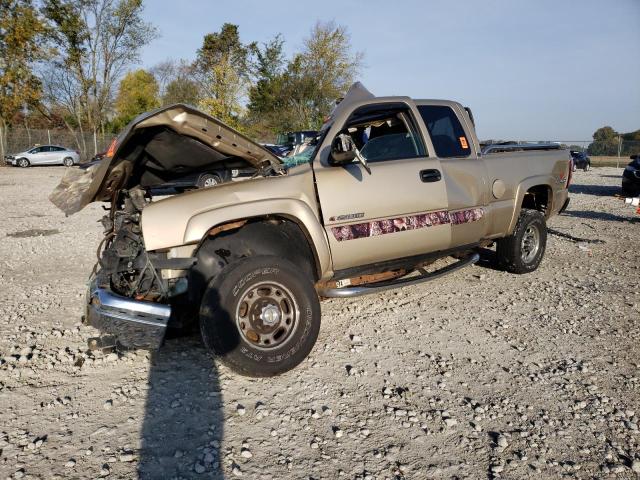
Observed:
{"x":138,"y":93}
{"x":327,"y":68}
{"x":175,"y":82}
{"x":222,"y":68}
{"x":181,"y":90}
{"x":304,"y":93}
{"x":96,"y":41}
{"x":265,"y":94}
{"x":22,"y":44}
{"x":605,"y":142}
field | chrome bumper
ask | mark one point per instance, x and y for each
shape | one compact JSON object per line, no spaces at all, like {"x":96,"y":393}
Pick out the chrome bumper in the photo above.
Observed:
{"x":135,"y":323}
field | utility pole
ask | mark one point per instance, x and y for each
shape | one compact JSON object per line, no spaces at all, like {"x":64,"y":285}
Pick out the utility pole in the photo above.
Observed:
{"x":619,"y":150}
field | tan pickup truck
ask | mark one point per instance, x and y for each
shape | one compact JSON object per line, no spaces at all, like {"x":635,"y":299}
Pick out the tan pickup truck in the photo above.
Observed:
{"x":391,"y":185}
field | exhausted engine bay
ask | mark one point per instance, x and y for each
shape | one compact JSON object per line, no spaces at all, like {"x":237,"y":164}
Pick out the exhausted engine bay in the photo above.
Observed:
{"x":151,"y":159}
{"x":124,"y":265}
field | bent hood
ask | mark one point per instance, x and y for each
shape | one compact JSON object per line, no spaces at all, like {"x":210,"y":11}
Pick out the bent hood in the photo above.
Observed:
{"x":157,"y":147}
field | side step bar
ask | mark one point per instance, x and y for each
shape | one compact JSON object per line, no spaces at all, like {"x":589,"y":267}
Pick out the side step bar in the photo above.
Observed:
{"x":403,"y":282}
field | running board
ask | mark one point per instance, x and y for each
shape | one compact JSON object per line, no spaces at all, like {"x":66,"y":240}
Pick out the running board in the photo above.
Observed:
{"x":403,"y":282}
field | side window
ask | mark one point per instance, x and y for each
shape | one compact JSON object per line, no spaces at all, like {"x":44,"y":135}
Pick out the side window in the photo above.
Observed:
{"x":447,"y":135}
{"x":36,"y":150}
{"x":57,"y":149}
{"x":385,"y":132}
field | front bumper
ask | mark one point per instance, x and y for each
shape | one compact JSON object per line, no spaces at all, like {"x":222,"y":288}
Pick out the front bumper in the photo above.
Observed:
{"x":135,"y":323}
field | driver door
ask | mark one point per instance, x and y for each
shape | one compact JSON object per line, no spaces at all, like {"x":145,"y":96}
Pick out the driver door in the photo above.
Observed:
{"x":37,"y":156}
{"x":400,"y":208}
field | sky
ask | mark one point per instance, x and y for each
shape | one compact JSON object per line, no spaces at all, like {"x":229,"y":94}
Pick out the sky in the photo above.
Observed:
{"x":529,"y":70}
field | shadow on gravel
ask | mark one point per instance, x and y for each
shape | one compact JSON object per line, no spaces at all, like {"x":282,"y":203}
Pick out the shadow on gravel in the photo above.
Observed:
{"x":488,"y":259}
{"x":34,"y":232}
{"x":598,"y":190}
{"x":591,"y":215}
{"x":183,"y":425}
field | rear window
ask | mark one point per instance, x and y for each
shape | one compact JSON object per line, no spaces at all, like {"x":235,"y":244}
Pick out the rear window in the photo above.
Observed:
{"x":447,"y":135}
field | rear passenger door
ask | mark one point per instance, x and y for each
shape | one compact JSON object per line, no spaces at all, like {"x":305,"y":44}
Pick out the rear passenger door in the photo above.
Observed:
{"x":464,"y":172}
{"x":57,"y":155}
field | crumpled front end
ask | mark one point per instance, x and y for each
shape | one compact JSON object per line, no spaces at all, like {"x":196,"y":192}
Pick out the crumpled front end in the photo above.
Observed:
{"x":135,"y":323}
{"x":127,"y":297}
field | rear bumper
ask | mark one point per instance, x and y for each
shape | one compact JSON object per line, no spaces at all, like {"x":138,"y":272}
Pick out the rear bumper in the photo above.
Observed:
{"x":135,"y":323}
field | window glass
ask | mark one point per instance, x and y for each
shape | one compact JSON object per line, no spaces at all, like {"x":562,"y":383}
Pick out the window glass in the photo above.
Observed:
{"x":57,"y":149}
{"x":447,"y":134}
{"x":36,"y":150}
{"x":385,"y":132}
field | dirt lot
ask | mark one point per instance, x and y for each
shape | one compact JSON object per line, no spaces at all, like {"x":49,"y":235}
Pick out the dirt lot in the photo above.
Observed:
{"x":480,"y":375}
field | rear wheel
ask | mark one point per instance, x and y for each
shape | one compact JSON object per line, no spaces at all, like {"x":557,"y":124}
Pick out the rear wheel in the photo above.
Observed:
{"x":587,"y":167}
{"x":23,"y":162}
{"x":260,"y":316}
{"x":68,"y":162}
{"x":522,"y":251}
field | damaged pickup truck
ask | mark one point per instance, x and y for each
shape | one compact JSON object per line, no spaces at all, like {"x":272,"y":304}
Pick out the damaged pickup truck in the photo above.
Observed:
{"x":392,"y":185}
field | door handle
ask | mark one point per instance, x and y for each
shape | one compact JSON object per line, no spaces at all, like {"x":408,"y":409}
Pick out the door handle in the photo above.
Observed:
{"x":430,"y":175}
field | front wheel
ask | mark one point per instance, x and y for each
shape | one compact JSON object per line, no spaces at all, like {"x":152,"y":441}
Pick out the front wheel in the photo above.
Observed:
{"x":260,"y":316}
{"x":522,"y":251}
{"x":23,"y":163}
{"x":209,"y":180}
{"x":587,"y":167}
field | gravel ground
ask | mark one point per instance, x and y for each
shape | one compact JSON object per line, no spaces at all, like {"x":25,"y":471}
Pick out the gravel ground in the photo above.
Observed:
{"x":482,"y":374}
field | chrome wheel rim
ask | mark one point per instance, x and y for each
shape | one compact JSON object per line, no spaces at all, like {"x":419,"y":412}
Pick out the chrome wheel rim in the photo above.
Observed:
{"x":23,"y":163}
{"x":266,"y":315}
{"x":530,"y":244}
{"x":210,"y":182}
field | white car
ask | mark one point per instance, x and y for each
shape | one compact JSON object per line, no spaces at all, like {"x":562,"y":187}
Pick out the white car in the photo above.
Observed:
{"x":45,"y":155}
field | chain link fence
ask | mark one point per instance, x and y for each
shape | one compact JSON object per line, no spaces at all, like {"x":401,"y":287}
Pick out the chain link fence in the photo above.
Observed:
{"x":612,"y":152}
{"x":17,"y":140}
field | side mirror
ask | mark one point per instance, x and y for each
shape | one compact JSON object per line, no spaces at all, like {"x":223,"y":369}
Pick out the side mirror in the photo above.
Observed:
{"x":343,"y":150}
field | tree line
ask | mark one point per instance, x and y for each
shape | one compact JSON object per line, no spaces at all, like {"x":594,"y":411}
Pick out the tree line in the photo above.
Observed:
{"x":606,"y":141}
{"x":71,"y":64}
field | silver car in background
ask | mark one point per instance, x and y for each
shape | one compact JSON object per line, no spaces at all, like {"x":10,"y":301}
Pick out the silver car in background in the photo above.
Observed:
{"x":44,"y":155}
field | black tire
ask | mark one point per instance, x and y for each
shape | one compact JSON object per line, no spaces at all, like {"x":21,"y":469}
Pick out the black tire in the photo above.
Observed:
{"x":514,"y":253}
{"x":23,"y":162}
{"x":68,"y":162}
{"x":209,"y":180}
{"x":587,"y":167}
{"x":573,"y":166}
{"x":246,"y":342}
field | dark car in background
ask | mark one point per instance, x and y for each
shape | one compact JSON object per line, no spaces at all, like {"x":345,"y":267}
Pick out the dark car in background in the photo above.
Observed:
{"x":580,"y":160}
{"x":293,"y":143}
{"x":631,"y":177}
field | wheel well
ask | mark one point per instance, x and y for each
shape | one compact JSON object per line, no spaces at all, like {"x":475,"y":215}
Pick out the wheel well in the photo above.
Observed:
{"x":272,"y":235}
{"x":538,"y":198}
